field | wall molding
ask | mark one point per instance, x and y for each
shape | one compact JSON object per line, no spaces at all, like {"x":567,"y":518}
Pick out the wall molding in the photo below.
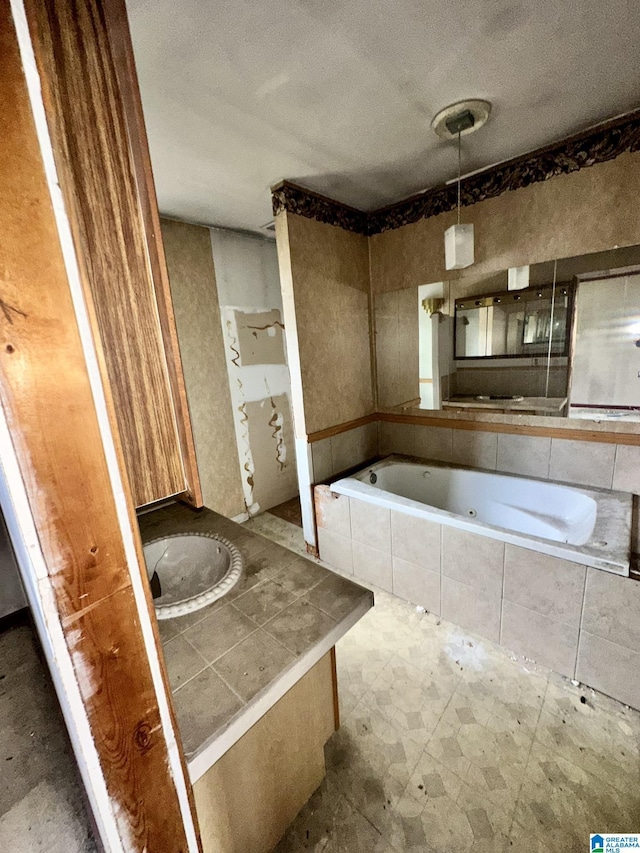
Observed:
{"x":329,"y":432}
{"x":573,"y":432}
{"x":597,"y":145}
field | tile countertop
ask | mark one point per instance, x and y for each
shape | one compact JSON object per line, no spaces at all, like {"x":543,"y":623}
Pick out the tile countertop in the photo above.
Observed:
{"x":230,"y":662}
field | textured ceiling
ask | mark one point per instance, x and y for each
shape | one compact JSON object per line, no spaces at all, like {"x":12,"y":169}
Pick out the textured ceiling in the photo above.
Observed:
{"x":337,"y":95}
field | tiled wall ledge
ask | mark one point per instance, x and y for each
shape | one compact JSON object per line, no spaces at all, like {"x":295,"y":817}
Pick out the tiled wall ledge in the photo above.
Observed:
{"x":607,"y":432}
{"x":580,"y":622}
{"x":344,"y":450}
{"x":592,"y":463}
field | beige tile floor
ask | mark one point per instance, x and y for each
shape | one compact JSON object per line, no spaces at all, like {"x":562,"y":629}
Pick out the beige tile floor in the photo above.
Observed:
{"x":449,"y":744}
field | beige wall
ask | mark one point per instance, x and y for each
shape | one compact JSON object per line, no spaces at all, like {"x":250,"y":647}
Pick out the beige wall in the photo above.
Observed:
{"x":588,"y":211}
{"x":330,"y":279}
{"x":397,"y":346}
{"x":195,"y":299}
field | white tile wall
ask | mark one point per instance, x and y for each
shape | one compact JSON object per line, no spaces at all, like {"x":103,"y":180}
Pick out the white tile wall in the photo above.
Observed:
{"x":416,"y":540}
{"x":586,"y":463}
{"x":416,"y":584}
{"x":434,"y":443}
{"x":332,"y":456}
{"x":475,"y":449}
{"x":470,"y":608}
{"x":321,"y":456}
{"x":372,"y":566}
{"x":474,"y":560}
{"x":335,"y":550}
{"x":524,"y":454}
{"x":548,"y":642}
{"x":626,"y":471}
{"x":397,"y":438}
{"x":548,"y":585}
{"x":353,"y":447}
{"x":581,"y":622}
{"x":609,"y":667}
{"x":332,"y":511}
{"x":371,"y":525}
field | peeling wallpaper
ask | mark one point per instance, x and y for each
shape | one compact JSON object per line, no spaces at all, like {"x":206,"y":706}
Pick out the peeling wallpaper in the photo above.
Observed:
{"x":258,"y":375}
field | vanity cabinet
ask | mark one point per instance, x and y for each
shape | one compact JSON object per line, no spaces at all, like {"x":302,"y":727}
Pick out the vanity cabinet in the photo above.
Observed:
{"x":95,"y":122}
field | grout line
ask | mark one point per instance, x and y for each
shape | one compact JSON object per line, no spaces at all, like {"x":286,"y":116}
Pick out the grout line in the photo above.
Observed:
{"x":333,"y":469}
{"x":504,"y":571}
{"x":548,"y":471}
{"x":526,"y":765}
{"x":580,"y":621}
{"x":174,"y":690}
{"x":224,"y":680}
{"x":441,"y":562}
{"x":428,"y":741}
{"x":231,"y":648}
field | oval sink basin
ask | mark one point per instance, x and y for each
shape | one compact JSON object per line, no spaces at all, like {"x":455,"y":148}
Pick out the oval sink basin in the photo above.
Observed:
{"x":189,"y":571}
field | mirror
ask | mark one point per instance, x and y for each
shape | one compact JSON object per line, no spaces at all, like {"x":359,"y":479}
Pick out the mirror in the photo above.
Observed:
{"x":535,"y":321}
{"x":567,"y":345}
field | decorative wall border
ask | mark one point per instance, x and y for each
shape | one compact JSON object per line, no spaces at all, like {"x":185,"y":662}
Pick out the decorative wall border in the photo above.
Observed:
{"x":597,"y":145}
{"x":297,"y":199}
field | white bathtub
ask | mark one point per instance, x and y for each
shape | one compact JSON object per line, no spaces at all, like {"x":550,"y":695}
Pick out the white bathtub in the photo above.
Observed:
{"x":587,"y":526}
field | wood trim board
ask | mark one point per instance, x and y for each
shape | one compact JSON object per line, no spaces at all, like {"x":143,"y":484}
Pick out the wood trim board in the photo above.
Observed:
{"x":329,"y":432}
{"x":65,"y":494}
{"x":515,"y":429}
{"x":120,"y":40}
{"x":93,"y":154}
{"x":574,"y":434}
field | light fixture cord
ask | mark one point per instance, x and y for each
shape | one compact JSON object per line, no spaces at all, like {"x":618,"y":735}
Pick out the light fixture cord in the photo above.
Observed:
{"x":459,"y":169}
{"x":553,"y":305}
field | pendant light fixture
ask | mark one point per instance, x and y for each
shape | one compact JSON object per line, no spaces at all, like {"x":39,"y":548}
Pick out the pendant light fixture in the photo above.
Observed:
{"x":454,"y":122}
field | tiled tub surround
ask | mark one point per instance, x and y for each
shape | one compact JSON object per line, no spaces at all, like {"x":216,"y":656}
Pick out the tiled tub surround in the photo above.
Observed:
{"x":344,"y":451}
{"x":588,"y":526}
{"x":579,"y":621}
{"x":231,"y":662}
{"x":581,"y":463}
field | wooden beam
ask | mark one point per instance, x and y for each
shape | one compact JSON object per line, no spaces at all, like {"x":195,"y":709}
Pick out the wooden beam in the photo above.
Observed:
{"x":93,"y":154}
{"x":65,"y":492}
{"x":120,"y":39}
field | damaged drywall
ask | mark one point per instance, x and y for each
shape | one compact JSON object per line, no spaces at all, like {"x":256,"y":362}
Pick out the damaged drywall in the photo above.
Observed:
{"x":271,"y":437}
{"x":260,"y":337}
{"x":259,"y":382}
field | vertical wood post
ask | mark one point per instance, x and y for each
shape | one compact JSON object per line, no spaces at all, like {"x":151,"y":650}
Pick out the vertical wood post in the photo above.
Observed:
{"x":67,"y":502}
